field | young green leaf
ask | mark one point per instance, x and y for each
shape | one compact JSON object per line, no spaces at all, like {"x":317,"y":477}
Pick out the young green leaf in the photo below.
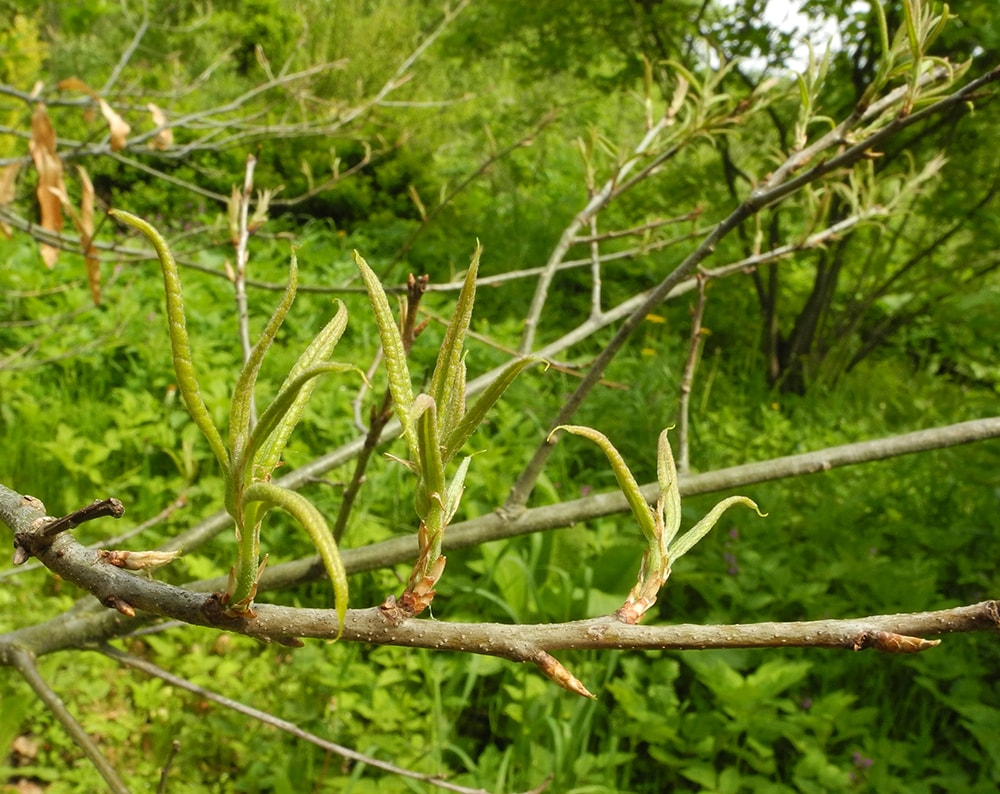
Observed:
{"x":429,"y":462}
{"x":455,"y":439}
{"x":306,"y":513}
{"x":269,"y":437}
{"x":626,"y":481}
{"x":699,"y":530}
{"x":392,"y":348}
{"x":287,"y":408}
{"x":669,"y":502}
{"x":180,"y":345}
{"x":243,"y":395}
{"x":449,"y":370}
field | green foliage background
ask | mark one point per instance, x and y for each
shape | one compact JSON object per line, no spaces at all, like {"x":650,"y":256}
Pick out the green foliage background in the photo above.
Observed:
{"x":87,"y":410}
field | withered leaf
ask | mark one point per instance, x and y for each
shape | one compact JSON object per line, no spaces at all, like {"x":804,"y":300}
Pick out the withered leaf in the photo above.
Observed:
{"x":42,"y":146}
{"x":164,"y":139}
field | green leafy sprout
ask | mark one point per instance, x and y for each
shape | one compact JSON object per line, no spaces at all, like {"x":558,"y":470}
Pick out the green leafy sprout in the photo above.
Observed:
{"x":660,"y":525}
{"x":436,"y":425}
{"x":254,"y":450}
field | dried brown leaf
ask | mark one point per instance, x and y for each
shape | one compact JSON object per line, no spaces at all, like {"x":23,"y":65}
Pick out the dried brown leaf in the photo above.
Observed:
{"x":117,"y":126}
{"x":164,"y":139}
{"x":8,"y":178}
{"x":42,"y":146}
{"x":76,"y":84}
{"x":86,"y":229}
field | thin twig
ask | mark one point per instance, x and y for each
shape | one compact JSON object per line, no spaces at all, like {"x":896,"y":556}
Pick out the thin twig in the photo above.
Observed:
{"x":24,"y":663}
{"x":276,"y":722}
{"x":175,"y":747}
{"x":695,"y":345}
{"x":771,"y":191}
{"x":595,"y":269}
{"x":126,"y":56}
{"x":599,"y":199}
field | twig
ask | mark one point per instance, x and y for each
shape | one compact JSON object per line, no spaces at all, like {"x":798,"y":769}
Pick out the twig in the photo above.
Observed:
{"x":126,"y":56}
{"x":100,"y":508}
{"x":595,"y":269}
{"x":695,"y":345}
{"x":241,"y":236}
{"x":24,"y":663}
{"x":771,"y":191}
{"x":520,"y":642}
{"x":600,"y":198}
{"x":635,"y":231}
{"x":175,"y":747}
{"x":276,"y":722}
{"x":84,"y":624}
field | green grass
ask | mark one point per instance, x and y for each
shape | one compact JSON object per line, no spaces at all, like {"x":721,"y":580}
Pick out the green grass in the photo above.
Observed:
{"x":906,"y":534}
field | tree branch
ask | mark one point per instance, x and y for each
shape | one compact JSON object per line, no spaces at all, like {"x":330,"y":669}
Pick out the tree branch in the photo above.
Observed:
{"x":519,"y":642}
{"x":127,"y":592}
{"x":283,"y":725}
{"x":24,"y":663}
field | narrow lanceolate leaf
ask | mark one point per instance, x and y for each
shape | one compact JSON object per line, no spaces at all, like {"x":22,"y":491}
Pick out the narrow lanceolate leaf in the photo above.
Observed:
{"x":187,"y":380}
{"x":455,"y":439}
{"x":455,"y":489}
{"x":670,"y":496}
{"x":452,"y":411}
{"x":429,"y":461}
{"x":626,"y":481}
{"x":448,"y":370}
{"x":243,"y":395}
{"x":305,"y":512}
{"x":699,"y":530}
{"x":294,"y":394}
{"x":392,"y":348}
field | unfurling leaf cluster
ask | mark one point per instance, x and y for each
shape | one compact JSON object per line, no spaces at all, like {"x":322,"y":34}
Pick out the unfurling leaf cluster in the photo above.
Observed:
{"x":660,"y":525}
{"x":435,"y":425}
{"x":254,"y":450}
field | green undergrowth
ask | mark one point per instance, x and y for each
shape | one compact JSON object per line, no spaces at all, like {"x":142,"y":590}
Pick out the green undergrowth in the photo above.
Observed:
{"x":907,"y":534}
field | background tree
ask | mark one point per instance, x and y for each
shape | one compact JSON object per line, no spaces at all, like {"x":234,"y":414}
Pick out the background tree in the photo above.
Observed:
{"x":681,"y":164}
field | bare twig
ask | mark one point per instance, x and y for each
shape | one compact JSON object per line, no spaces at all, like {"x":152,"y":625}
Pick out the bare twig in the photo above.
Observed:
{"x":175,"y":747}
{"x":378,"y":625}
{"x":283,"y":725}
{"x":241,"y":237}
{"x":24,"y":663}
{"x":599,"y":199}
{"x":126,"y":56}
{"x":782,"y":183}
{"x":595,"y":269}
{"x":695,"y":345}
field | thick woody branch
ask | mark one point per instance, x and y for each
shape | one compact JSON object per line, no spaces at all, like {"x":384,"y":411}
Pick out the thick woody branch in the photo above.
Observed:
{"x":380,"y":625}
{"x":87,"y":624}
